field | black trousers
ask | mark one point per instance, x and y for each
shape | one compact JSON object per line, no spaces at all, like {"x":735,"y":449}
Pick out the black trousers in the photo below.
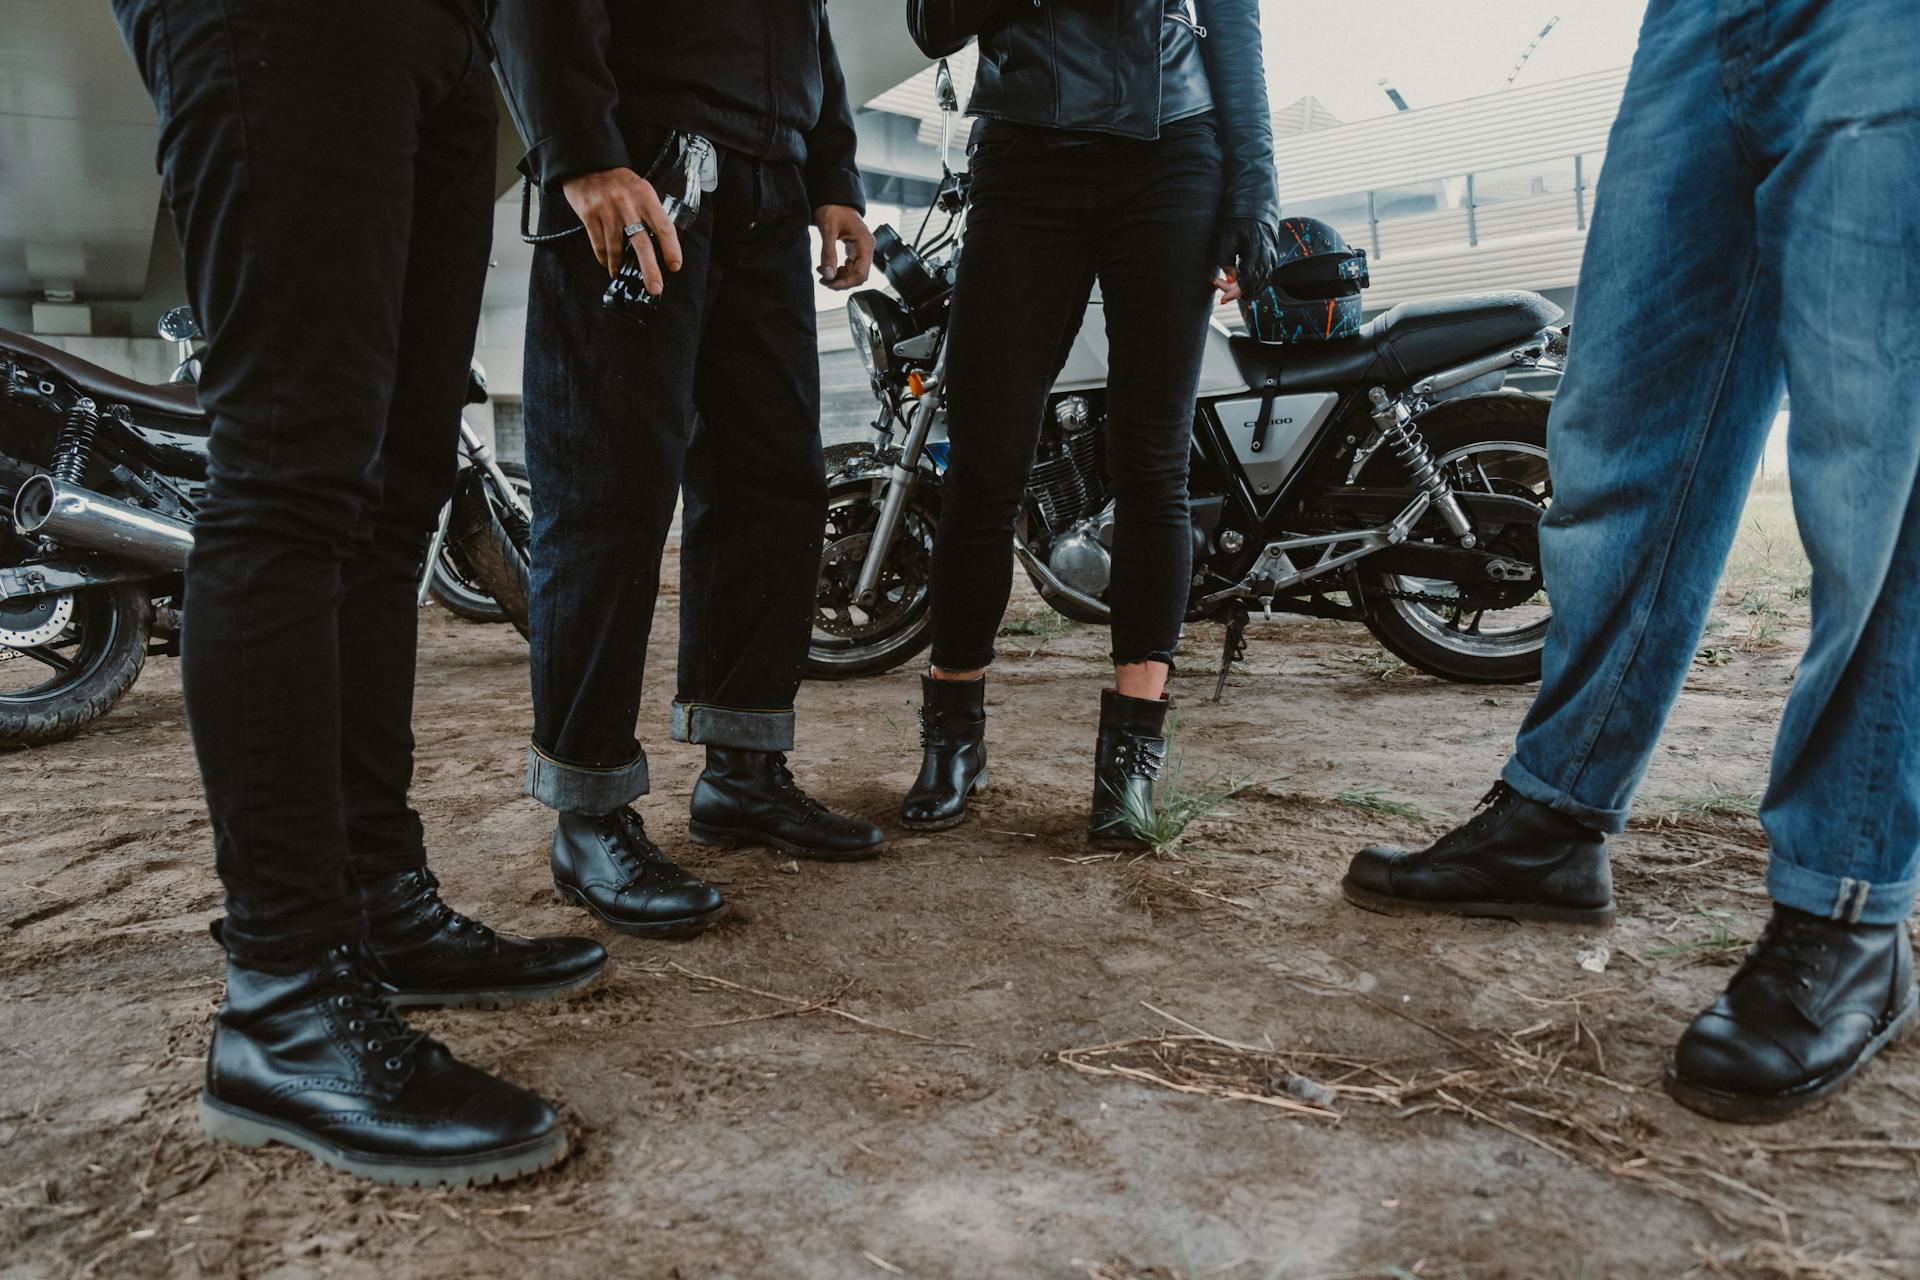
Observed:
{"x":716,"y":397}
{"x":330,"y":171}
{"x":1050,"y":213}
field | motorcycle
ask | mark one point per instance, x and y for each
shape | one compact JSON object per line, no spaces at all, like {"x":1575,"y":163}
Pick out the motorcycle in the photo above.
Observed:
{"x":1387,"y":478}
{"x":100,"y":480}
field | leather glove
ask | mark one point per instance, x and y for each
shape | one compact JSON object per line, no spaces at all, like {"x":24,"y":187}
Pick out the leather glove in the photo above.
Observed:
{"x":1247,"y":245}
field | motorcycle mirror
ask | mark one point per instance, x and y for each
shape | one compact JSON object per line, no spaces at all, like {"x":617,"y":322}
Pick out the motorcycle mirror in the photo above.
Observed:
{"x":178,"y":325}
{"x":476,"y":383}
{"x":943,"y":88}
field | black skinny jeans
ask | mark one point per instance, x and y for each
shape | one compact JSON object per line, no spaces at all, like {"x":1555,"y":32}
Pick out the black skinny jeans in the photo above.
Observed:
{"x":330,"y":171}
{"x":1051,"y":212}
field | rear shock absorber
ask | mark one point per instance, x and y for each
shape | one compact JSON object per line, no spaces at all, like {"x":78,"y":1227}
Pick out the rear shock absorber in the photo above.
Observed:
{"x":75,"y":450}
{"x":1397,"y":429}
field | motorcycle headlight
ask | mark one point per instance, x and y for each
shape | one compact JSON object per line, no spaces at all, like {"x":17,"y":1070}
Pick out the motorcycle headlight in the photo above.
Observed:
{"x":877,"y":323}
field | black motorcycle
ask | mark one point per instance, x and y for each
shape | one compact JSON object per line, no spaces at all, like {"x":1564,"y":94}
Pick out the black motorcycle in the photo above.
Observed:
{"x":100,"y":480}
{"x":1386,"y":478}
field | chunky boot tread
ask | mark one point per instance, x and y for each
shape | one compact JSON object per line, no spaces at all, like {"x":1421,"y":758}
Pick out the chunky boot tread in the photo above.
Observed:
{"x":685,"y":927}
{"x":494,"y":998}
{"x":227,"y":1123}
{"x":1538,"y":912}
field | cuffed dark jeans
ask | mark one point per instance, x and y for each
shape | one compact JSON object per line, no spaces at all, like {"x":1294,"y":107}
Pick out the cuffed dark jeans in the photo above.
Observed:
{"x":330,"y":171}
{"x":1050,"y":213}
{"x":719,"y":392}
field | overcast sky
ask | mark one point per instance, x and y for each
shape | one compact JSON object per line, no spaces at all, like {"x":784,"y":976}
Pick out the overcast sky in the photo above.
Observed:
{"x":1434,"y":50}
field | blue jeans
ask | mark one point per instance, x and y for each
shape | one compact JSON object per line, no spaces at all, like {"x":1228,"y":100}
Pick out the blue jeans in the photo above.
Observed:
{"x":1757,"y":223}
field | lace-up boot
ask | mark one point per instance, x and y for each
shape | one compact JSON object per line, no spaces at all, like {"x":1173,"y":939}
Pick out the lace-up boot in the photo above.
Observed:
{"x":953,"y":762}
{"x":1814,"y":1001}
{"x":605,"y":863}
{"x":751,"y":798}
{"x":1126,"y":762}
{"x":311,"y":1054}
{"x":1515,"y":858}
{"x":430,"y":954}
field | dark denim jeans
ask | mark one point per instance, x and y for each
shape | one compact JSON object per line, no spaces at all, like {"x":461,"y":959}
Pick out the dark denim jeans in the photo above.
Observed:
{"x":718,"y":394}
{"x":330,"y":172}
{"x":1050,"y":213}
{"x":1758,"y":218}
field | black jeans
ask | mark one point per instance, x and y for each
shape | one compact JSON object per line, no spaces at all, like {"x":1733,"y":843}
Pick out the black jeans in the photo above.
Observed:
{"x":1051,"y":212}
{"x":330,"y":171}
{"x":718,"y":393}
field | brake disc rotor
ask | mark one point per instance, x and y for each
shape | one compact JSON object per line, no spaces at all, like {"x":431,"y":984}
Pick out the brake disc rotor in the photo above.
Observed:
{"x":834,"y":609}
{"x":28,"y":624}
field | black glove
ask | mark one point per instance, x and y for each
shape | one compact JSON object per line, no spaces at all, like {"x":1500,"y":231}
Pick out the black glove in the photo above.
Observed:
{"x":1247,"y":245}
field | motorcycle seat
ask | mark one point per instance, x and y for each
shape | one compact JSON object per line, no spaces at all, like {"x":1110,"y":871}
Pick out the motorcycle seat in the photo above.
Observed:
{"x":1399,"y":346}
{"x":179,"y":399}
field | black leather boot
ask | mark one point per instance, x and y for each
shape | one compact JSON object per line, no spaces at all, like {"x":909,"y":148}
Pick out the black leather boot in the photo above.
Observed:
{"x":311,"y":1054}
{"x":1126,"y":762}
{"x":605,"y":863}
{"x":1516,"y":859}
{"x":431,"y":955}
{"x":750,"y":798}
{"x":1814,"y":1001}
{"x":953,"y":763}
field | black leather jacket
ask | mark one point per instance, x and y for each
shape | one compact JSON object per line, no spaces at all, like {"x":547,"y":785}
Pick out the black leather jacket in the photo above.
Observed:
{"x":758,"y":77}
{"x":1095,"y":64}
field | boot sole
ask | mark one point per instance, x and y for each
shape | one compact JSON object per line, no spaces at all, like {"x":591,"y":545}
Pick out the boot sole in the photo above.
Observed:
{"x":1761,"y":1108}
{"x":945,"y":824}
{"x":736,"y":838}
{"x":494,"y":997}
{"x":1535,"y":912}
{"x":683,"y":928}
{"x":226,"y":1123}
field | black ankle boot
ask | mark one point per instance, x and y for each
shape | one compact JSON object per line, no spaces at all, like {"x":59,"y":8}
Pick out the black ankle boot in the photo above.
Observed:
{"x":750,"y":798}
{"x":953,"y":763}
{"x":605,"y":863}
{"x":431,"y":955}
{"x":310,"y":1053}
{"x":1126,"y":761}
{"x":1814,"y":1001}
{"x":1516,"y":859}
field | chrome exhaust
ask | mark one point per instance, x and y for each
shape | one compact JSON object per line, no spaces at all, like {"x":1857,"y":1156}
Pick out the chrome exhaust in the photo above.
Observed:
{"x":77,"y":517}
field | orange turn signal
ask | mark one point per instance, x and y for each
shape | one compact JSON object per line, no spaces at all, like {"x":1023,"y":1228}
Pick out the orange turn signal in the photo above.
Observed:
{"x":916,"y":385}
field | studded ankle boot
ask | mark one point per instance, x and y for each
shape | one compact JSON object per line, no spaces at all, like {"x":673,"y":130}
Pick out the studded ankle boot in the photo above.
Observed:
{"x":1126,"y":761}
{"x":953,"y":763}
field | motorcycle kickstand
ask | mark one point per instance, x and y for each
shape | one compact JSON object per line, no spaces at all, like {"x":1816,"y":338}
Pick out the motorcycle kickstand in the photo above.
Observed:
{"x":1233,"y":650}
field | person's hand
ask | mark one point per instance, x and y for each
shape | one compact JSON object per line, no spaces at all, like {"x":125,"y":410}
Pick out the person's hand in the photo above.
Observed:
{"x":1244,"y":253}
{"x":607,"y":202}
{"x":842,"y":225}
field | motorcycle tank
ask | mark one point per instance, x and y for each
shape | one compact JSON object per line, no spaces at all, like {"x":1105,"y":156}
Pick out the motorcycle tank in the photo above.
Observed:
{"x":1086,"y":366}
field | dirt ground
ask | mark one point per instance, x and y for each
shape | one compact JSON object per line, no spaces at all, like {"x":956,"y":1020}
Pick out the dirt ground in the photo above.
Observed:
{"x":1052,"y":1065}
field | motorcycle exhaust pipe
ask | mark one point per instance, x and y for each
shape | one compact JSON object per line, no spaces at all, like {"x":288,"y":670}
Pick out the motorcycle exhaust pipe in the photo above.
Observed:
{"x":77,"y":517}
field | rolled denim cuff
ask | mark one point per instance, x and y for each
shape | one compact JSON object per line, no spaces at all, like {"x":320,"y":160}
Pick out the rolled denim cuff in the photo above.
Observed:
{"x":1516,"y":775}
{"x":742,"y":730}
{"x":1838,"y":897}
{"x":573,"y":788}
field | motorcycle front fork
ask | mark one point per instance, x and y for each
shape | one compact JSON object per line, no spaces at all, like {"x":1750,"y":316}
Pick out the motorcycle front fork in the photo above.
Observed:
{"x":900,"y":481}
{"x":480,"y":454}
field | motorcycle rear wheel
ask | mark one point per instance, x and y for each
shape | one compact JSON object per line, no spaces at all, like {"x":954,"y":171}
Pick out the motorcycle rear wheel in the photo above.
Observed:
{"x":495,"y":542}
{"x":1451,"y":643}
{"x":77,"y":676}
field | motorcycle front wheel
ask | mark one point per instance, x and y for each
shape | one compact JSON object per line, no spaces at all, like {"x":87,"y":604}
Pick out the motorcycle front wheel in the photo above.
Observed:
{"x":494,"y":540}
{"x":1490,"y":444}
{"x":850,"y":639}
{"x":455,"y":584}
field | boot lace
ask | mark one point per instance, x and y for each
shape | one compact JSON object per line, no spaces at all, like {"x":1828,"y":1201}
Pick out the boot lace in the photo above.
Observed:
{"x":433,"y":910}
{"x":1786,"y":952}
{"x":783,"y":778}
{"x":369,"y":1013}
{"x":1140,"y":757}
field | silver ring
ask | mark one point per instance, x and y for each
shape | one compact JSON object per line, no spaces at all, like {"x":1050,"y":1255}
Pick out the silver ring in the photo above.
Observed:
{"x":635,"y":229}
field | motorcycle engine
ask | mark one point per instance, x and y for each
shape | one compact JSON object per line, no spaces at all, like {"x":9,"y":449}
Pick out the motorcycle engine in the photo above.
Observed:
{"x":1082,"y":557}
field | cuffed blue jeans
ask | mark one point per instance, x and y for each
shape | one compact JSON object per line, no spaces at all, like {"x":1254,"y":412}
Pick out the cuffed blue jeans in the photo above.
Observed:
{"x":1758,"y":222}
